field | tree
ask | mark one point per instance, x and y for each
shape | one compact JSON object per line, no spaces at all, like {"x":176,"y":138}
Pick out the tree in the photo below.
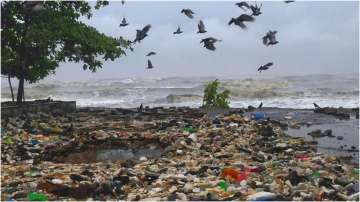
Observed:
{"x":214,"y":99}
{"x":38,"y":35}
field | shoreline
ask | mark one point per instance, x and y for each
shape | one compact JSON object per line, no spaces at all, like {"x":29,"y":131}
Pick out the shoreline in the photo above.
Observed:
{"x":166,"y":153}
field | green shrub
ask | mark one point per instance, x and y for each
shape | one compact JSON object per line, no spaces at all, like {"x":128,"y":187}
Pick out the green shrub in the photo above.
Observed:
{"x":214,"y":99}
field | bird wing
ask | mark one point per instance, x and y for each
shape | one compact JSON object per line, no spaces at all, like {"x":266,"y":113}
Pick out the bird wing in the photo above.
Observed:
{"x":146,"y":29}
{"x":269,"y":64}
{"x":150,"y":64}
{"x":265,"y":38}
{"x":231,"y":21}
{"x":245,"y":17}
{"x":178,"y":29}
{"x":201,"y":26}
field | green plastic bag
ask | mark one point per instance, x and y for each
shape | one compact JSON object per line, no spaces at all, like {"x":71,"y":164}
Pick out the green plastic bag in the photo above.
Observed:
{"x":223,"y":185}
{"x":316,"y":174}
{"x":190,"y":129}
{"x":34,"y":196}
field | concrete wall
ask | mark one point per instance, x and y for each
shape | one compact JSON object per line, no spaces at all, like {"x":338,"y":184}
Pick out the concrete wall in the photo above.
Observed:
{"x":8,"y":110}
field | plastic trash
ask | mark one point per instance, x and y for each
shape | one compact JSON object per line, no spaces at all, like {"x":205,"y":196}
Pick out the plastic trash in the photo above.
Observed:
{"x":34,"y":196}
{"x":190,"y":129}
{"x":230,"y":173}
{"x":315,"y":174}
{"x":259,"y":116}
{"x":223,"y":185}
{"x":262,"y":196}
{"x":242,"y":176}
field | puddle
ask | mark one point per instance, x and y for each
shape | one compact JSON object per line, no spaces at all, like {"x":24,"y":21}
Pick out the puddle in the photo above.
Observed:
{"x":111,"y":154}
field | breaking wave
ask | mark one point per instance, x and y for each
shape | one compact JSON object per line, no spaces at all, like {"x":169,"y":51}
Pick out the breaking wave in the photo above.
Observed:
{"x":293,"y":91}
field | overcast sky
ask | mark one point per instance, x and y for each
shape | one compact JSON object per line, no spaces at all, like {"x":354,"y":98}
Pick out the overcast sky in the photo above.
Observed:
{"x":314,"y":37}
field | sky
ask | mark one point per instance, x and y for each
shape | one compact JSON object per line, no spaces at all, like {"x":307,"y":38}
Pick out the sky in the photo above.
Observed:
{"x":314,"y":38}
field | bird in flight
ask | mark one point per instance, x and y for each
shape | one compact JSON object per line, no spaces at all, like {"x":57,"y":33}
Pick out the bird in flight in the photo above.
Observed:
{"x":141,"y":34}
{"x":265,"y":67}
{"x":270,"y":38}
{"x":243,"y":4}
{"x":255,"y":9}
{"x":239,"y":21}
{"x":178,"y":31}
{"x":150,"y":66}
{"x":151,"y":53}
{"x":209,"y":43}
{"x":315,"y":105}
{"x":123,"y":23}
{"x":288,"y":2}
{"x":188,"y":12}
{"x":201,"y":27}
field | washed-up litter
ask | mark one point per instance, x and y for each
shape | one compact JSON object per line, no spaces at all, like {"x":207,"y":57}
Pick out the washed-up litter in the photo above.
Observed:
{"x":166,"y":154}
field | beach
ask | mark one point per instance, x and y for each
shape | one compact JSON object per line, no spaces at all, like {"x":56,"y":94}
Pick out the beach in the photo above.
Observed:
{"x":179,"y":153}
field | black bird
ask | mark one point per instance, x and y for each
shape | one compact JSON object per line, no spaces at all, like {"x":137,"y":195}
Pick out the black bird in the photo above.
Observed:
{"x":255,"y":9}
{"x":188,"y":12}
{"x":141,"y":34}
{"x":123,"y":23}
{"x":315,"y":105}
{"x":178,"y":31}
{"x":288,"y":2}
{"x":151,"y":53}
{"x":150,"y":66}
{"x":201,"y":27}
{"x":209,"y":43}
{"x":265,"y":67}
{"x":140,"y":109}
{"x":243,"y":4}
{"x":122,"y":2}
{"x":270,"y":38}
{"x":239,"y":21}
{"x":260,"y":106}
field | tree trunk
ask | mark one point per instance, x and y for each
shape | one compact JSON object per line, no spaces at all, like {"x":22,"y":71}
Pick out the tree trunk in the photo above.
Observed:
{"x":20,"y":93}
{"x":11,"y":89}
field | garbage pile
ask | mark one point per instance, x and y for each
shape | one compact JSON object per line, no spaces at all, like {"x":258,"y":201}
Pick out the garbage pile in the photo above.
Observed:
{"x":171,"y":154}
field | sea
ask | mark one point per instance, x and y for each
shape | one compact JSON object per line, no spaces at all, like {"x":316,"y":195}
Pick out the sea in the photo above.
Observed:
{"x":274,"y":91}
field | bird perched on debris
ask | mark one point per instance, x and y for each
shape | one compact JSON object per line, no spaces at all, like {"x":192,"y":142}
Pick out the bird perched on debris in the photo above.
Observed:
{"x":270,"y":38}
{"x":123,"y":23}
{"x":288,"y":2}
{"x":265,"y":67}
{"x":141,"y":34}
{"x":178,"y":31}
{"x":239,"y":21}
{"x":151,"y":53}
{"x":188,"y":12}
{"x":255,"y":9}
{"x":201,"y":27}
{"x":260,"y":106}
{"x":243,"y":4}
{"x":209,"y":43}
{"x":315,"y":105}
{"x":150,"y":66}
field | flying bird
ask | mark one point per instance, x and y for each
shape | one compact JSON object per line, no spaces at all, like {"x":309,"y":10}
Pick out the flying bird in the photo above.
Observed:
{"x":188,"y":12}
{"x":243,"y":4}
{"x":265,"y":67}
{"x":270,"y":38}
{"x":150,"y":66}
{"x":123,"y":23}
{"x":201,"y":27}
{"x":141,"y":34}
{"x":260,"y":105}
{"x":151,"y":53}
{"x":288,"y":2}
{"x":178,"y":31}
{"x":209,"y":43}
{"x":255,"y":9}
{"x":239,"y":21}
